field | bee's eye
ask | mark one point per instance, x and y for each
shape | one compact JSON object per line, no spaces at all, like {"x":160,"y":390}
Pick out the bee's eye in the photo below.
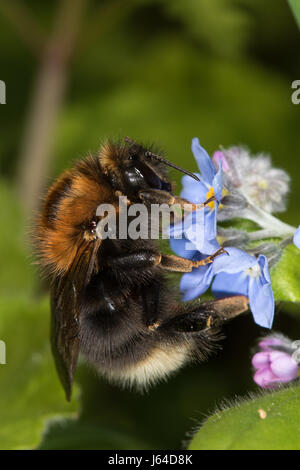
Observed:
{"x":89,"y":231}
{"x":93,"y":226}
{"x":132,"y":156}
{"x":89,"y":226}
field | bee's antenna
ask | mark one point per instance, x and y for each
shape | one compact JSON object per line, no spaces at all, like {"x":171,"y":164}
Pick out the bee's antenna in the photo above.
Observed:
{"x":172,"y":165}
{"x":149,"y":154}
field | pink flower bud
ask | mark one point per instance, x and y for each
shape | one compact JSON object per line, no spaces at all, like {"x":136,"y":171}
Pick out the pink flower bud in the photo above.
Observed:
{"x":273,"y":366}
{"x":217,"y":156}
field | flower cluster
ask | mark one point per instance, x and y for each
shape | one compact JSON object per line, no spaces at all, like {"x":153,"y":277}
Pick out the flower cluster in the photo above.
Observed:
{"x":243,"y":188}
{"x":277,"y":361}
{"x":254,"y":177}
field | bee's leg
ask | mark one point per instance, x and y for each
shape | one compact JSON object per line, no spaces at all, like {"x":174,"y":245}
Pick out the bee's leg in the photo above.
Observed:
{"x":183,"y":265}
{"x":206,"y":315}
{"x":158,"y":196}
{"x":147,"y":258}
{"x":140,"y":259}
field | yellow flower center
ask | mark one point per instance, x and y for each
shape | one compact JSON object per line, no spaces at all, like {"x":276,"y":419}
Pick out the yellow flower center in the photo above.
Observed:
{"x":262,"y":184}
{"x":210,"y":194}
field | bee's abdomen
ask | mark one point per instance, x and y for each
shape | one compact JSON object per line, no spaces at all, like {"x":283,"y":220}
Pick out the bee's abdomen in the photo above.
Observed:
{"x":157,"y":363}
{"x":119,"y":332}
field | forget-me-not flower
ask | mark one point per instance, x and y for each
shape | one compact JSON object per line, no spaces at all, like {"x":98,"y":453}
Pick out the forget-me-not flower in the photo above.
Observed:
{"x":197,"y":192}
{"x":234,"y":273}
{"x":254,"y":282}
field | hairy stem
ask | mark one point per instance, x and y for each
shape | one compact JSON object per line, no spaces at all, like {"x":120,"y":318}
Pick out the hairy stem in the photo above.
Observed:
{"x":267,"y":221}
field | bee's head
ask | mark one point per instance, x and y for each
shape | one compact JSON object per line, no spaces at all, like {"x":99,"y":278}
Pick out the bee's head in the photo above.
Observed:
{"x":132,"y":167}
{"x":66,"y":225}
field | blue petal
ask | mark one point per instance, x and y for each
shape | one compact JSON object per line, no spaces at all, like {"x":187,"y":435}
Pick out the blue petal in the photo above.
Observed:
{"x":196,"y":283}
{"x":263,"y":263}
{"x":261,"y":301}
{"x":192,"y":190}
{"x":217,"y":183}
{"x":204,"y":161}
{"x":230,"y":284}
{"x":175,"y":230}
{"x":181,"y":248}
{"x":187,"y":225}
{"x":194,"y":228}
{"x":235,"y":262}
{"x":200,"y":228}
{"x":210,"y":221}
{"x":297,"y":237}
{"x":193,"y":279}
{"x":210,"y":246}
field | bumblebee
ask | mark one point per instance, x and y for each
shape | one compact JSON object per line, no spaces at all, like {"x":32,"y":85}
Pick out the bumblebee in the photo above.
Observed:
{"x":110,"y":298}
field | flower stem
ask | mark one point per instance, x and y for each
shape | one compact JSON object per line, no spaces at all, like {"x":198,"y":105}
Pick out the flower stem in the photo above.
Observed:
{"x":286,"y":242}
{"x":261,"y":234}
{"x":267,"y":221}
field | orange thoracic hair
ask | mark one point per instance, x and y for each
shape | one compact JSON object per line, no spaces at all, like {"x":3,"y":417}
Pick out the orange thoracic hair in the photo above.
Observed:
{"x":69,"y":207}
{"x":111,"y":156}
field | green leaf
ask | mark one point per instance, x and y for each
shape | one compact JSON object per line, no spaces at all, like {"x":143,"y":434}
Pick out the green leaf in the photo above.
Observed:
{"x":74,"y":434}
{"x":267,"y":422}
{"x":285,"y":275}
{"x":30,"y":390}
{"x":295,"y":6}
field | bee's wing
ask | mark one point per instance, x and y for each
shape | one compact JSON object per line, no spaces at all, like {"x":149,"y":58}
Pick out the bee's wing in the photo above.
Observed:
{"x":64,"y":331}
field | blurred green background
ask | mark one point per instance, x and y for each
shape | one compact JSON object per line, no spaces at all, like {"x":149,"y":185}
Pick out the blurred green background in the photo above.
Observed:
{"x":76,"y":72}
